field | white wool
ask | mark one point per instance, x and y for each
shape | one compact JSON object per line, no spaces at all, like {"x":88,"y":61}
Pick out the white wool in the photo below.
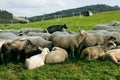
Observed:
{"x":56,"y":56}
{"x":37,"y":60}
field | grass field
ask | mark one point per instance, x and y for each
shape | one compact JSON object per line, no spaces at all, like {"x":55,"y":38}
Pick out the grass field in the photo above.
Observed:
{"x":72,"y":69}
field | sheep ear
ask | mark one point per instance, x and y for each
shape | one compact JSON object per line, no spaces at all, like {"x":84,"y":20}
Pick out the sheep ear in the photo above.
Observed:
{"x":83,"y":32}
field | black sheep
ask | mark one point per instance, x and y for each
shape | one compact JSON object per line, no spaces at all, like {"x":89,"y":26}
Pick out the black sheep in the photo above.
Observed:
{"x":54,"y":28}
{"x":18,"y":50}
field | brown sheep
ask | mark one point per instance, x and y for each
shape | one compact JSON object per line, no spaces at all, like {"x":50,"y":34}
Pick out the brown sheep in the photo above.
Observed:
{"x":113,"y":55}
{"x":69,"y":42}
{"x":92,"y":53}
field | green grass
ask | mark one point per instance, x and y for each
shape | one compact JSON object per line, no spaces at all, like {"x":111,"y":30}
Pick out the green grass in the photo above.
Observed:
{"x":74,"y":23}
{"x":72,"y":69}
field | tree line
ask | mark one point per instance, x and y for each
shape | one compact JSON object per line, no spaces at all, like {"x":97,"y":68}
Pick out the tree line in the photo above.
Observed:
{"x":75,"y":12}
{"x":5,"y":14}
{"x":5,"y":17}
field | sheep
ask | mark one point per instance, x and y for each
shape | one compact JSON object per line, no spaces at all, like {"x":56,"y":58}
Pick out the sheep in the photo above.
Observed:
{"x":95,"y":52}
{"x":70,"y":42}
{"x":113,"y":55}
{"x":2,"y":41}
{"x":94,"y":39}
{"x":57,"y":33}
{"x":54,"y":28}
{"x":18,"y":50}
{"x":46,"y":36}
{"x":102,"y":27}
{"x":8,"y":35}
{"x":57,"y":55}
{"x":26,"y":30}
{"x":36,"y":60}
{"x":39,"y":41}
{"x":114,"y":23}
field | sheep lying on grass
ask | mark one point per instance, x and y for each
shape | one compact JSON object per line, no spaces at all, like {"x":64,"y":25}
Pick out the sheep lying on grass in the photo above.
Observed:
{"x":92,"y":53}
{"x":54,"y":28}
{"x":57,"y":55}
{"x":70,"y":42}
{"x":36,"y":60}
{"x":113,"y":55}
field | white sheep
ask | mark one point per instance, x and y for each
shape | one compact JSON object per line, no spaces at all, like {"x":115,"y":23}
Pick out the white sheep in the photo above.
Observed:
{"x":57,"y":55}
{"x":113,"y":55}
{"x":37,"y":60}
{"x":92,"y":53}
{"x":70,"y":42}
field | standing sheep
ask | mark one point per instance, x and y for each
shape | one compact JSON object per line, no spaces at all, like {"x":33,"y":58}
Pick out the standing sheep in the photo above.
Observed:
{"x":18,"y":50}
{"x":94,"y":39}
{"x":92,"y":53}
{"x":57,"y":55}
{"x":113,"y":55}
{"x":70,"y":42}
{"x":36,"y":60}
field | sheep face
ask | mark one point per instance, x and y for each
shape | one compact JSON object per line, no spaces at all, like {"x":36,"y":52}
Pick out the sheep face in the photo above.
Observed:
{"x":55,"y":48}
{"x":111,"y":45}
{"x":45,"y":51}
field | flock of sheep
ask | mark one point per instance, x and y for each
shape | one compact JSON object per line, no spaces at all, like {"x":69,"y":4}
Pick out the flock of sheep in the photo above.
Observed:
{"x":34,"y":46}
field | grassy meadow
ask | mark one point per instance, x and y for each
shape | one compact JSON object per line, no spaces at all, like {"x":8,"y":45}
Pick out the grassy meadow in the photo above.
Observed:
{"x":71,"y":69}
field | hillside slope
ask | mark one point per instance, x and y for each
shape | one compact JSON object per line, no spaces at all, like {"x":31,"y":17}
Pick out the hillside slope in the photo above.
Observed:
{"x":75,"y":12}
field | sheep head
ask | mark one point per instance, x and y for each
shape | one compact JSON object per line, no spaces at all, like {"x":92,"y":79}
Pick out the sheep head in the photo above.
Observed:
{"x":81,"y":36}
{"x":55,"y":48}
{"x":111,"y":45}
{"x":45,"y":51}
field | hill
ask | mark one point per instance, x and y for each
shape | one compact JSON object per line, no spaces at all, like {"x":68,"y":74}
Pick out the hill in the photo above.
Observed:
{"x":75,"y":12}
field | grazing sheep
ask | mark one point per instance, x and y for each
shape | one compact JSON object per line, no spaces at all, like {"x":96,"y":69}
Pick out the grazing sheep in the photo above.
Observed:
{"x":39,"y":41}
{"x":92,"y":53}
{"x":113,"y":55}
{"x":46,"y":36}
{"x":70,"y":42}
{"x":57,"y":33}
{"x":8,"y":35}
{"x":26,"y":30}
{"x":94,"y":39}
{"x":36,"y":60}
{"x":57,"y":55}
{"x":18,"y":50}
{"x":54,"y":28}
{"x":2,"y":41}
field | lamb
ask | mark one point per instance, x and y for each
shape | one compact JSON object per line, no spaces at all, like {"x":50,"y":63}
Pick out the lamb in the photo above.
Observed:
{"x":70,"y":42}
{"x":18,"y":50}
{"x":54,"y":28}
{"x":95,"y":52}
{"x":113,"y":55}
{"x":57,"y":55}
{"x":36,"y":60}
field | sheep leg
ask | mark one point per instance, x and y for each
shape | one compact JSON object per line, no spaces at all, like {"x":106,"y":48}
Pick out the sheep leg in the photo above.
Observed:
{"x":72,"y":53}
{"x":114,"y":59}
